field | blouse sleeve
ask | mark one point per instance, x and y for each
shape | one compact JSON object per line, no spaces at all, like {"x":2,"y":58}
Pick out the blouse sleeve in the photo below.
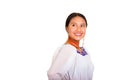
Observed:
{"x":61,"y":63}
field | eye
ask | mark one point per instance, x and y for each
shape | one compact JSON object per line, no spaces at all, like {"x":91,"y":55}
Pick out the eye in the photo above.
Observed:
{"x":73,"y":25}
{"x":82,"y":25}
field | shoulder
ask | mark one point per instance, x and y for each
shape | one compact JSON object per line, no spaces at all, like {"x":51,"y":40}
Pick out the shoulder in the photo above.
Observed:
{"x":64,"y":50}
{"x":67,"y":49}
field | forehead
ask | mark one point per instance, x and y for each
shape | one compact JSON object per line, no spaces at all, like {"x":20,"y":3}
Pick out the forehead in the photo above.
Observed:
{"x":77,"y":19}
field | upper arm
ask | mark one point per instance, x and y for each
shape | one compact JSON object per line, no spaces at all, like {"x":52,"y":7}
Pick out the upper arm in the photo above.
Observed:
{"x":61,"y":61}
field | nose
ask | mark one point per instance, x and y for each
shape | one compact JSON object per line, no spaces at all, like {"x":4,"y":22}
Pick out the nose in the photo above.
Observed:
{"x":78,"y":28}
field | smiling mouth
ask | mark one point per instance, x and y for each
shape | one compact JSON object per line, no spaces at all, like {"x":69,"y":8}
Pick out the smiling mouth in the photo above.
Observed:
{"x":78,"y":34}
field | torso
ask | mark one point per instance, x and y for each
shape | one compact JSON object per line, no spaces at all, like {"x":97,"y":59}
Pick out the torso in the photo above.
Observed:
{"x":81,"y":67}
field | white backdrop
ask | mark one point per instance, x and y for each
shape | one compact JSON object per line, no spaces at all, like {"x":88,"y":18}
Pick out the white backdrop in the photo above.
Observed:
{"x":31,"y":30}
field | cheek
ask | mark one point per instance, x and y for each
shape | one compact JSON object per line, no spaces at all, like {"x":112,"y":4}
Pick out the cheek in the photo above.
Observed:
{"x":71,"y":31}
{"x":84,"y":30}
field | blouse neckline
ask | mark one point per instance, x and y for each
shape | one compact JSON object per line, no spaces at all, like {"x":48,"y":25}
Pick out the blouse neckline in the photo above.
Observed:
{"x":83,"y":53}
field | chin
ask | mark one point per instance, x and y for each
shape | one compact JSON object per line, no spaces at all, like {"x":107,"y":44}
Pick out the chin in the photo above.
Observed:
{"x":78,"y":39}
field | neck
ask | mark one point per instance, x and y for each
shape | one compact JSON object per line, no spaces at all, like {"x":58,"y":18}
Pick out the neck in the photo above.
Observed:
{"x":73,"y":42}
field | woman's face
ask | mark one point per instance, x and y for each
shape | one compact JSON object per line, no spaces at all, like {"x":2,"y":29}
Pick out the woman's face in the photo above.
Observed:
{"x":76,"y":28}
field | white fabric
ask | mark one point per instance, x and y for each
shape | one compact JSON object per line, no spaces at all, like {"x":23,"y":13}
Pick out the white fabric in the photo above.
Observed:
{"x":67,"y":64}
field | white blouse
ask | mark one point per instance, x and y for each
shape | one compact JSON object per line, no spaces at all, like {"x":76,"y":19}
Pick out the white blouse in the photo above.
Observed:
{"x":67,"y":64}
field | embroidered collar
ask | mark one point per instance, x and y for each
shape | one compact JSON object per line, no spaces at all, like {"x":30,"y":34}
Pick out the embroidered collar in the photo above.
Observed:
{"x":83,"y":53}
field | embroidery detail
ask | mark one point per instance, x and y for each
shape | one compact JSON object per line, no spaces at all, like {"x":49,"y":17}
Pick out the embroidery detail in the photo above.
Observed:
{"x":83,"y":53}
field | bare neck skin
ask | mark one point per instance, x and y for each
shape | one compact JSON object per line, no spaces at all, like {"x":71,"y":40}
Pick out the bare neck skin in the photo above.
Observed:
{"x":74,"y":43}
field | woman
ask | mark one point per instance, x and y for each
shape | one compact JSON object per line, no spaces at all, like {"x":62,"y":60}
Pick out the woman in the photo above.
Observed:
{"x":70,"y":61}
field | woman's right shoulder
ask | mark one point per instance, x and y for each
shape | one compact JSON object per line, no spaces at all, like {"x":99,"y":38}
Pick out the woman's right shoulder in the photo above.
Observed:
{"x":63,"y":52}
{"x":65,"y":49}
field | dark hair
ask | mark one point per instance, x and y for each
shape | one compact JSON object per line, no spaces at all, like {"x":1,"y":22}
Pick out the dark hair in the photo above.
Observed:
{"x":72,"y":15}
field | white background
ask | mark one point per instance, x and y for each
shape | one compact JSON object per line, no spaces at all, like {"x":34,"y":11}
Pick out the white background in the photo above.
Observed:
{"x":31,"y":30}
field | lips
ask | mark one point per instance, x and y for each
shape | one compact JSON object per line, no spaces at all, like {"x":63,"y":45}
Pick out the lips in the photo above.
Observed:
{"x":78,"y":34}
